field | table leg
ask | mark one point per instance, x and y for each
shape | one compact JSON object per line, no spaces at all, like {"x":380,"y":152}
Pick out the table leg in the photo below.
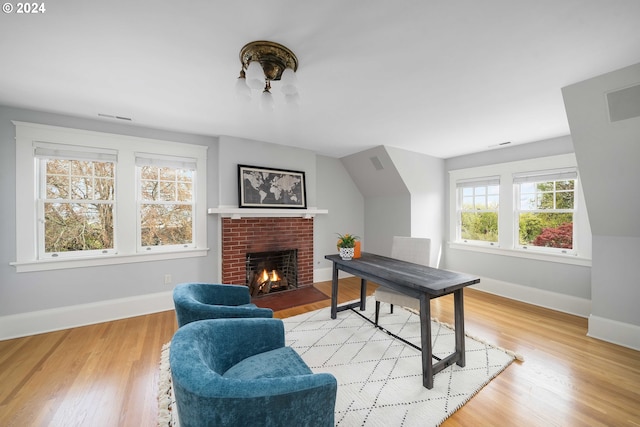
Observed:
{"x":363,"y":294}
{"x":334,"y":292}
{"x":425,"y":335}
{"x":458,"y":306}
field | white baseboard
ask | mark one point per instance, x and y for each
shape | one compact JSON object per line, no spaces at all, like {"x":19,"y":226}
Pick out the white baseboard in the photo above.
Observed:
{"x":615,"y":332}
{"x":553,"y":300}
{"x":24,"y":324}
{"x":37,"y":322}
{"x":612,"y":331}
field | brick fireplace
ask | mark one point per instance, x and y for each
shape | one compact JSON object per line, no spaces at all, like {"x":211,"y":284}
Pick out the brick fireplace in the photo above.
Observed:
{"x":261,"y":234}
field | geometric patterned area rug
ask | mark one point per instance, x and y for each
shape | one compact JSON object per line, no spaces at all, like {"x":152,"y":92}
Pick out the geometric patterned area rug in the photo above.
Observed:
{"x":379,"y":377}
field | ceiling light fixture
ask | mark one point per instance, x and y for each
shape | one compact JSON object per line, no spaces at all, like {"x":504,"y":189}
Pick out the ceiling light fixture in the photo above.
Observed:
{"x":262,"y":63}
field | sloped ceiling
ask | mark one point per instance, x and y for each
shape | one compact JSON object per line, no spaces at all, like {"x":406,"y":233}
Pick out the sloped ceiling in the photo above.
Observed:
{"x":442,"y":78}
{"x":374,"y":173}
{"x":602,"y":144}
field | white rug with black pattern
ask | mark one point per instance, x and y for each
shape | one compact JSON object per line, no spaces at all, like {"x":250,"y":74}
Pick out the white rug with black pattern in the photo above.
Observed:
{"x":380,"y":377}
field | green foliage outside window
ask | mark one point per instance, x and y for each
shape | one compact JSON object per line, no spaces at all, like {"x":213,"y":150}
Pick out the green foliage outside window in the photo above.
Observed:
{"x":479,"y":214}
{"x":481,"y":226}
{"x":533,"y":225}
{"x":546,"y":215}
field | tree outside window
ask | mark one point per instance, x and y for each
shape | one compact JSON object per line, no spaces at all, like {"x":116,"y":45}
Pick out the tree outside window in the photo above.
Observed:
{"x":166,"y":205}
{"x":78,"y":202}
{"x":545,"y":211}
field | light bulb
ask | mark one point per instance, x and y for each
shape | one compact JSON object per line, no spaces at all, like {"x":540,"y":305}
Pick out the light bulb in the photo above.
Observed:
{"x":289,"y":81}
{"x":255,"y":75}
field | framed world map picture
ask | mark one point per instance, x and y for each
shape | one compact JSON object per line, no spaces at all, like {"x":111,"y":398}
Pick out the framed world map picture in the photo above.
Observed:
{"x":261,"y":187}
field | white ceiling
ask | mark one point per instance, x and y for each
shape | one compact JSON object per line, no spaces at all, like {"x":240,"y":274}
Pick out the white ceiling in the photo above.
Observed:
{"x":443,"y":77}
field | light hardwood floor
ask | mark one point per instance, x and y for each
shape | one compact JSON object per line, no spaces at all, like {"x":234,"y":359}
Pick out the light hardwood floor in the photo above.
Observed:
{"x":106,"y":374}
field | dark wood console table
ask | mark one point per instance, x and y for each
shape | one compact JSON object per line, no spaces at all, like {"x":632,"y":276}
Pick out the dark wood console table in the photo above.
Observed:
{"x":418,"y":281}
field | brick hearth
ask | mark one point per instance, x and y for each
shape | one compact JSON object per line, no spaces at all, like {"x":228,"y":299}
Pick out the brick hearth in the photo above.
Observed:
{"x":248,"y":235}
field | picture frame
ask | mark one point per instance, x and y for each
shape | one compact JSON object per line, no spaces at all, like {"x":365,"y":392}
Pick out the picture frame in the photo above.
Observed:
{"x":265,"y":187}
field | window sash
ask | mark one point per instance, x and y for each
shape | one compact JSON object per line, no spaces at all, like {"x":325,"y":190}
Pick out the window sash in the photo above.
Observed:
{"x":480,"y":204}
{"x":543,"y":176}
{"x":35,"y":141}
{"x":186,"y":163}
{"x":171,"y":162}
{"x":44,"y":150}
{"x":478,"y":182}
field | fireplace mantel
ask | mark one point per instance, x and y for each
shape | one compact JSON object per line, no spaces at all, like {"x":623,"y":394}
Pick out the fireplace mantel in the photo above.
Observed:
{"x":237,"y":213}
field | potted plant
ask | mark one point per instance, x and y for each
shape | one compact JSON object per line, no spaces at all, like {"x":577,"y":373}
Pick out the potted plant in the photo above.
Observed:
{"x":346,"y":245}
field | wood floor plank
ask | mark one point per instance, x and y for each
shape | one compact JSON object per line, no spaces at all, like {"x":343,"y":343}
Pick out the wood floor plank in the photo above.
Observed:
{"x":107,"y":374}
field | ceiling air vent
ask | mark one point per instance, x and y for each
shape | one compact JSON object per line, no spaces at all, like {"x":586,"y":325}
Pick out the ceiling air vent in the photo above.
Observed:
{"x":376,"y":163}
{"x":111,"y":116}
{"x":624,"y":103}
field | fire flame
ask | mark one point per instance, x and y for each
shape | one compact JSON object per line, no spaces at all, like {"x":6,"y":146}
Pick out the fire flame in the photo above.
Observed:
{"x":271,"y":278}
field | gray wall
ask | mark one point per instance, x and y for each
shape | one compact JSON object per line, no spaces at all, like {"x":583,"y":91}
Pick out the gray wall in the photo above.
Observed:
{"x":234,"y":151}
{"x":32,"y":291}
{"x":608,"y":155}
{"x":385,"y":217}
{"x":565,"y":279}
{"x":403,"y":196}
{"x":424,"y":177}
{"x":340,"y":196}
{"x":329,"y":186}
{"x":387,"y":201}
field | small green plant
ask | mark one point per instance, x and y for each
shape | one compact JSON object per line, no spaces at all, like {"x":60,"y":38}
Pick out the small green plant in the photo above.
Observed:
{"x":346,"y":240}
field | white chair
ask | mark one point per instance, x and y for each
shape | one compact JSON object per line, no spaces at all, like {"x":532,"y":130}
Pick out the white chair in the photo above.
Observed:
{"x":410,"y":249}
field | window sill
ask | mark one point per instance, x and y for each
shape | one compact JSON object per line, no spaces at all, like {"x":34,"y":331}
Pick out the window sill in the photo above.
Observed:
{"x":64,"y":263}
{"x":521,"y":253}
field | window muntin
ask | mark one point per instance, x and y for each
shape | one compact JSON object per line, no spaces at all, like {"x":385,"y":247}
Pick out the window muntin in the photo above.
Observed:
{"x":166,"y":204}
{"x":76,"y":200}
{"x":545,"y":210}
{"x":510,"y":174}
{"x":36,"y":141}
{"x":478,"y":206}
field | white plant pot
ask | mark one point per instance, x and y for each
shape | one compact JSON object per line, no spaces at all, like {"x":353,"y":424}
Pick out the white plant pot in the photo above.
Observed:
{"x":346,"y":253}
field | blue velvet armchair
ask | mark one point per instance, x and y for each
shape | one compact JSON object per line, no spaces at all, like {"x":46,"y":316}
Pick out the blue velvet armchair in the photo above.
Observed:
{"x":199,"y":301}
{"x":238,"y":372}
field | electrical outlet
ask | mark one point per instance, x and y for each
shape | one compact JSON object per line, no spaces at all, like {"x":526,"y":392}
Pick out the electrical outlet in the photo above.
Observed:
{"x":167,"y":279}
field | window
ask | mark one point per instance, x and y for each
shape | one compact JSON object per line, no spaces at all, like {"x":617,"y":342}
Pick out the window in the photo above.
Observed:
{"x":478,"y":203}
{"x":545,"y":209}
{"x":531,"y":208}
{"x":76,"y":201}
{"x":90,"y":198}
{"x":165,"y":202}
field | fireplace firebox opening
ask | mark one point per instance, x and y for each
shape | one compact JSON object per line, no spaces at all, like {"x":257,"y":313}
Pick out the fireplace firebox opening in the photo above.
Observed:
{"x":272,"y":271}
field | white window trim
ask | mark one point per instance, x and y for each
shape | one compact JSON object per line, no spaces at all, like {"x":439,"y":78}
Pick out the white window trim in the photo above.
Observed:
{"x":478,"y":181}
{"x":546,"y":175}
{"x":147,"y":159}
{"x":126,"y":238}
{"x":507,"y":237}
